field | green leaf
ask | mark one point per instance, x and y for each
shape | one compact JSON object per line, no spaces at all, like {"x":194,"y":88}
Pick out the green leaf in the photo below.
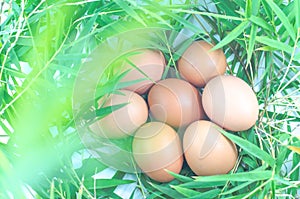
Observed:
{"x":251,"y":43}
{"x":208,"y":194}
{"x":297,"y":13}
{"x":200,"y":184}
{"x":232,"y":35}
{"x":237,"y":177}
{"x":275,"y":44}
{"x":237,"y":188}
{"x":255,"y":7}
{"x":181,"y":178}
{"x":249,"y":147}
{"x":130,"y":11}
{"x":103,"y":111}
{"x":248,"y":9}
{"x":261,"y":22}
{"x":284,"y":19}
{"x":105,"y":183}
{"x":166,"y":190}
{"x":185,"y":191}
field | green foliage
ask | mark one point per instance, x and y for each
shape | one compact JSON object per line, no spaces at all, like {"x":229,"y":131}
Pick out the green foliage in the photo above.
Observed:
{"x":52,"y":38}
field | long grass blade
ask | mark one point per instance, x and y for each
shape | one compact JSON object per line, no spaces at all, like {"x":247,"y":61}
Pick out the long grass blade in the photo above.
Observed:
{"x":275,"y":44}
{"x":237,"y":177}
{"x":232,"y":35}
{"x":250,"y":148}
{"x":284,"y":19}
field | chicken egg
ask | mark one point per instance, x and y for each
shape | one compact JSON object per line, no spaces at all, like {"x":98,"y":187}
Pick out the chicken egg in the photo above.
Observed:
{"x":230,"y":102}
{"x":198,"y":64}
{"x":156,"y":146}
{"x":148,"y":64}
{"x":124,"y":121}
{"x":207,"y":151}
{"x":175,"y":102}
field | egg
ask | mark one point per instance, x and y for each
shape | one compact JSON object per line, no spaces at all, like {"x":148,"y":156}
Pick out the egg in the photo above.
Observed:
{"x":156,"y":146}
{"x":175,"y":102}
{"x":124,"y":121}
{"x":148,"y":64}
{"x":198,"y":64}
{"x":207,"y":151}
{"x":230,"y":102}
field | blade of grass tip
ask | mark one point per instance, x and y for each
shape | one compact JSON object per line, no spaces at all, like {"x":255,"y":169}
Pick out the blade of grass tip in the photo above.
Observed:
{"x":283,"y":18}
{"x":179,"y":177}
{"x":130,"y":11}
{"x":139,"y":70}
{"x":232,"y":35}
{"x":251,"y":43}
{"x":274,"y":44}
{"x":249,"y":147}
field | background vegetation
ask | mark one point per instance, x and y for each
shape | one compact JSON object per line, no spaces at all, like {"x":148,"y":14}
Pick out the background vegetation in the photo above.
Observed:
{"x":43,"y":44}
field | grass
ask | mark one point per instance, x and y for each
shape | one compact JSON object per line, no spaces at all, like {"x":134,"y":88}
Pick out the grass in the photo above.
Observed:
{"x":53,"y":38}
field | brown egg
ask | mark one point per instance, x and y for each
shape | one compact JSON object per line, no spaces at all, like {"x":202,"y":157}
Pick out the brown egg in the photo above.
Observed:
{"x":198,"y":65}
{"x":124,"y":121}
{"x":207,"y":151}
{"x":156,"y":147}
{"x":150,"y":65}
{"x":230,"y":102}
{"x":175,"y":102}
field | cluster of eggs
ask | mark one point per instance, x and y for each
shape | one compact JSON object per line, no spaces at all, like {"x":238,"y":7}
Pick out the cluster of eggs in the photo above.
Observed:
{"x":155,"y":109}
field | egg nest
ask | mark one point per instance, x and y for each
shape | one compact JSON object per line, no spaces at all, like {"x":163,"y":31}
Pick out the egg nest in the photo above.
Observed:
{"x":173,"y":122}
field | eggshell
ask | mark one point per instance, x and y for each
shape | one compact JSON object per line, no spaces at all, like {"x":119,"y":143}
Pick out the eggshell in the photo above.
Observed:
{"x":156,"y":147}
{"x":207,"y":151}
{"x":230,"y":102}
{"x":124,"y":121}
{"x":150,"y":63}
{"x":198,"y":65}
{"x":175,"y":102}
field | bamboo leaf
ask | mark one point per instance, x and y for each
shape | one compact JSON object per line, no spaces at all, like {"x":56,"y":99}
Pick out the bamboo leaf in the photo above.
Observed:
{"x":213,"y":193}
{"x":232,"y":35}
{"x":261,"y":22}
{"x":237,"y":177}
{"x":105,"y":183}
{"x":297,"y":13}
{"x":185,"y":191}
{"x":275,"y":44}
{"x":200,"y":184}
{"x":255,"y":7}
{"x":251,"y":43}
{"x":236,"y":188}
{"x":130,"y":11}
{"x":248,"y":9}
{"x":249,"y":147}
{"x":182,"y":178}
{"x":295,"y":149}
{"x":284,"y":19}
{"x":167,"y":190}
